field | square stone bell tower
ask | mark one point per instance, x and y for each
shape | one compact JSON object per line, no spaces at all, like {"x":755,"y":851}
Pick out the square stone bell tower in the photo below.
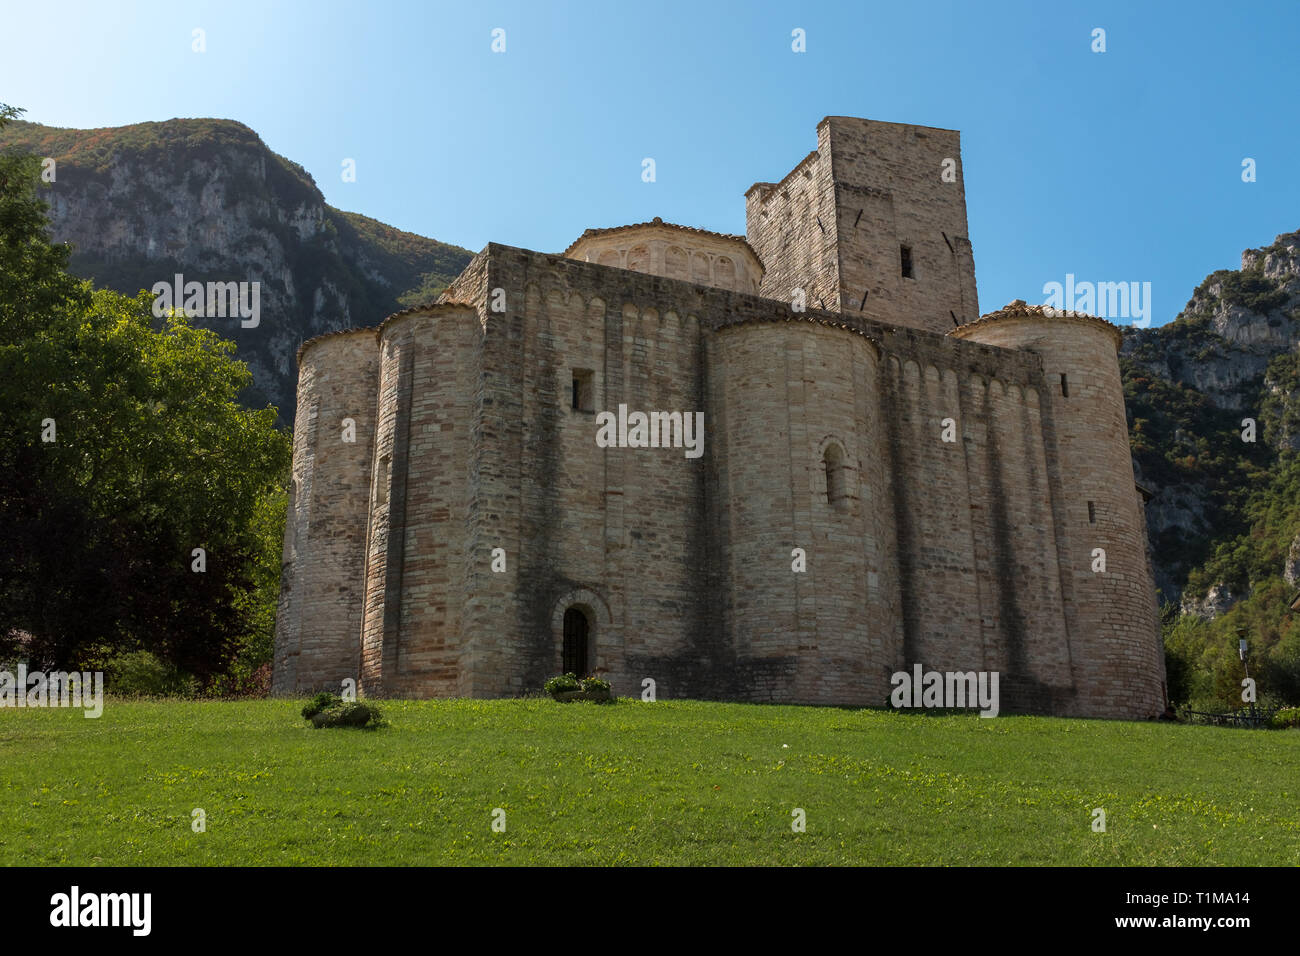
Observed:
{"x":871,"y":223}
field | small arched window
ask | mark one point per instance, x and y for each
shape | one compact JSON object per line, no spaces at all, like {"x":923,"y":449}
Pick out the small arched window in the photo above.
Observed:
{"x":836,"y":477}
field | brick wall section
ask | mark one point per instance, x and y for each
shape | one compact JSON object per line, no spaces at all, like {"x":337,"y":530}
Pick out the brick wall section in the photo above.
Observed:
{"x":783,"y":393}
{"x":319,"y":616}
{"x":585,"y":524}
{"x":892,"y":173}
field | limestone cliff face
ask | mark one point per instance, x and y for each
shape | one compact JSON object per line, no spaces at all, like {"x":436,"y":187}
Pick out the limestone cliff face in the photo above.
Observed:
{"x":208,"y":199}
{"x":1233,"y":353}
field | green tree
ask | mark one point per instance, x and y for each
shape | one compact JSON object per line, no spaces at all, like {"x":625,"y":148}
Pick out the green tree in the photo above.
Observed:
{"x":151,"y":459}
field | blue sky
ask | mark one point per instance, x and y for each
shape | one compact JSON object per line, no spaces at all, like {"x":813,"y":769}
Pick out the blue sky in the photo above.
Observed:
{"x":1115,"y":166}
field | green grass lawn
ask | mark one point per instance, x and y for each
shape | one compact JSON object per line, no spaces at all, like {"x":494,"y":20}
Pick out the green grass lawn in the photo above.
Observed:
{"x":672,"y":782}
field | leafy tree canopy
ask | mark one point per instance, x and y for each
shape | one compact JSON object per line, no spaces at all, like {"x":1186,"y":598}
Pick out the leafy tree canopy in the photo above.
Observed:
{"x":122,"y":450}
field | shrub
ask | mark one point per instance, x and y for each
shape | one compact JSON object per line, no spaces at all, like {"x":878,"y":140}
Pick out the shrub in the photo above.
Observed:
{"x":143,"y":674}
{"x":318,"y":703}
{"x":330,"y":710}
{"x":354,"y":714}
{"x":595,"y":684}
{"x":1286,"y":719}
{"x":562,"y":683}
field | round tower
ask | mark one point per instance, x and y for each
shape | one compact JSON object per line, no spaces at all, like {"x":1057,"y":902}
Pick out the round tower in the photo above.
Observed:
{"x":795,"y":412}
{"x":318,"y":621}
{"x":1117,"y":657}
{"x":415,"y":555}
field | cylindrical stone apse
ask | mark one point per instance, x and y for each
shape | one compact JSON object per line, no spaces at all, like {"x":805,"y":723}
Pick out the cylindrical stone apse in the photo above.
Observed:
{"x":416,"y":568}
{"x":1117,"y":657}
{"x":797,"y":408}
{"x":318,"y":621}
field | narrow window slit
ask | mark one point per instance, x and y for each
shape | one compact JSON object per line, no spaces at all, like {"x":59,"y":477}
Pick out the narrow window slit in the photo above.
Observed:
{"x":584,"y":394}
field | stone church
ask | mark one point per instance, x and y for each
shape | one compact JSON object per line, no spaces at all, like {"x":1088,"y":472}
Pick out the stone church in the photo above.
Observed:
{"x":884,"y":477}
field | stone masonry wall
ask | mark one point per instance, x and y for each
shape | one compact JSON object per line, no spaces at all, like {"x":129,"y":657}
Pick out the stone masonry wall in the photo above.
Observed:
{"x":582,"y":525}
{"x":822,"y":432}
{"x":891,"y":192}
{"x":1116,"y":654}
{"x":318,"y":621}
{"x":414,"y":636}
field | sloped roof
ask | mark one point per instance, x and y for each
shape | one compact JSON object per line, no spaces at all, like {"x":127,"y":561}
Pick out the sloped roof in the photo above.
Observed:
{"x":1019,"y":309}
{"x":656,"y":221}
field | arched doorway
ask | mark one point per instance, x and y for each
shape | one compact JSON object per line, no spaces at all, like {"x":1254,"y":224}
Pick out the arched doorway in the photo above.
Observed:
{"x":576,"y":642}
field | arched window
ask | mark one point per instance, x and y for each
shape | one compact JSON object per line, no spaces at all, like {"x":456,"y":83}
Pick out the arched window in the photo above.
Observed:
{"x":676,"y":265}
{"x":836,"y":477}
{"x":724,"y":273}
{"x":576,"y":648}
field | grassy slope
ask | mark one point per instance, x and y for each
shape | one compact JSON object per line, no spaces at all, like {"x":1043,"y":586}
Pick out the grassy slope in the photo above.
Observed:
{"x":664,"y":783}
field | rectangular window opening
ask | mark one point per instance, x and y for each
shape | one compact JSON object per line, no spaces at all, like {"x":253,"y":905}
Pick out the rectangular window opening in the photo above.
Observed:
{"x":381,"y":482}
{"x":1065,"y":386}
{"x":1092,"y":513}
{"x":584,"y":392}
{"x":905,"y":254}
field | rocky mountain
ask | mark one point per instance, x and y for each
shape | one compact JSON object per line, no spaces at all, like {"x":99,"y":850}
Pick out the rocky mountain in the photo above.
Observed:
{"x":207,"y":199}
{"x":1214,"y":415}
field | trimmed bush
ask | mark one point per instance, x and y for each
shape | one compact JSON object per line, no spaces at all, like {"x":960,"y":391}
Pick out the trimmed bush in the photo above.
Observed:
{"x":565,"y":682}
{"x":355,"y":714}
{"x":320,"y":702}
{"x":331,"y":710}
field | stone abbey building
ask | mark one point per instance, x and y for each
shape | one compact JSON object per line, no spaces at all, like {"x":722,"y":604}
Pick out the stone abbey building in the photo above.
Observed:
{"x":885,"y":478}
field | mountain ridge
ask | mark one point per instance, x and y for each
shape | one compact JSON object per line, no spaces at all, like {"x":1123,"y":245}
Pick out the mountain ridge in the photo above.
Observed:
{"x":1193,"y":388}
{"x":208,"y":199}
